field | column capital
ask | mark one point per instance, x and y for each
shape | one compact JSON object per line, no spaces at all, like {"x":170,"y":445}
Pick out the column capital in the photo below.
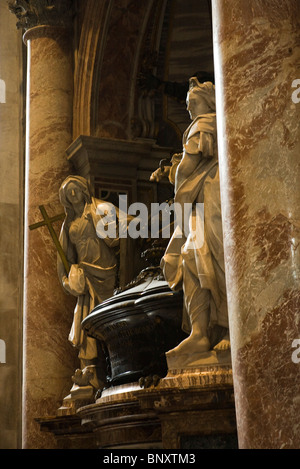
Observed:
{"x":32,"y":13}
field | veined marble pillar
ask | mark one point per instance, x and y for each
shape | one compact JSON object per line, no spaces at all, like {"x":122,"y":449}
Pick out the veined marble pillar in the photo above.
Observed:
{"x":47,"y":355}
{"x":257,"y":58}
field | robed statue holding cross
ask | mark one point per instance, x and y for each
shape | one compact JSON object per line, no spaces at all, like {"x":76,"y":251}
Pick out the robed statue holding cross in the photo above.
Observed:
{"x":92,"y":260}
{"x":87,"y":269}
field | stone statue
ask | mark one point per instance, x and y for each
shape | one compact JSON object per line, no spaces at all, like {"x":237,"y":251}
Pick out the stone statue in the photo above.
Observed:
{"x":198,"y":268}
{"x":93,"y":269}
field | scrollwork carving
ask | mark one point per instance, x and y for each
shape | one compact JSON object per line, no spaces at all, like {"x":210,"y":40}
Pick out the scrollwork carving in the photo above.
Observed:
{"x":31,"y":13}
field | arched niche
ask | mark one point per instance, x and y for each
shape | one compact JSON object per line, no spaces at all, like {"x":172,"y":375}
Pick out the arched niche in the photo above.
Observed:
{"x":116,"y":42}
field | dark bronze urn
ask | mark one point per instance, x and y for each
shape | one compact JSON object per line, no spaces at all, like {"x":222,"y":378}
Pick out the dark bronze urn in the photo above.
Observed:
{"x":137,"y":326}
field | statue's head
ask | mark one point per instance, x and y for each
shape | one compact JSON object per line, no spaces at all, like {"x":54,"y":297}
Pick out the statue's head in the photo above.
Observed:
{"x":74,"y":189}
{"x":200,"y":98}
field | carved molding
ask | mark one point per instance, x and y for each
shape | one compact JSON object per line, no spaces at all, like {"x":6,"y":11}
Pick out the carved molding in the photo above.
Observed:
{"x":88,"y":68}
{"x":32,"y":13}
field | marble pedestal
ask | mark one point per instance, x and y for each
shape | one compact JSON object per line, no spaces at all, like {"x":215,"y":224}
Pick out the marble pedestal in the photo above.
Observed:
{"x":188,"y":409}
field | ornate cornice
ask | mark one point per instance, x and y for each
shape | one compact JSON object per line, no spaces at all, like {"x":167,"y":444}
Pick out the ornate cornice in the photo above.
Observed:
{"x":32,"y":13}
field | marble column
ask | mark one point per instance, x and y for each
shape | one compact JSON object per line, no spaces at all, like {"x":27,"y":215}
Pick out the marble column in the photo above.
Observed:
{"x":257,"y":56}
{"x":11,"y":222}
{"x":49,"y":360}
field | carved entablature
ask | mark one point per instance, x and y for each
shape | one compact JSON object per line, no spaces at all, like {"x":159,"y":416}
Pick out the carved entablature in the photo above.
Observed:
{"x":31,"y":13}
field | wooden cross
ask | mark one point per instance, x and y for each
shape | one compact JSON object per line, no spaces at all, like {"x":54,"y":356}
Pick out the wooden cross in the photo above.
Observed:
{"x":48,"y":222}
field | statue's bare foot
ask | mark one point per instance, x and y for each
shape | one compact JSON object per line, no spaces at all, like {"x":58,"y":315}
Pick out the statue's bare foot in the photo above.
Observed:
{"x":223,"y":345}
{"x":192,"y":344}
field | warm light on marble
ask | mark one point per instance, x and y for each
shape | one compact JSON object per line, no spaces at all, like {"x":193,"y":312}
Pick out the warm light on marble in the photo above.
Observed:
{"x":257,"y":59}
{"x":48,"y":357}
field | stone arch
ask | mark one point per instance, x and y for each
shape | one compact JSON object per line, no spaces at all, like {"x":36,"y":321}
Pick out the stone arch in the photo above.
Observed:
{"x":163,"y":36}
{"x":89,"y":55}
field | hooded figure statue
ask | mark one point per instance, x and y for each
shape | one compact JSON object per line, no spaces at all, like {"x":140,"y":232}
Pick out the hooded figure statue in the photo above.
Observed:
{"x":93,"y":266}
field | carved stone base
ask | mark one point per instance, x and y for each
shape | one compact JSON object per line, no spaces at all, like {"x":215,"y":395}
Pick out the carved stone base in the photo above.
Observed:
{"x":188,"y":409}
{"x":198,"y":377}
{"x":68,"y":432}
{"x":70,"y":406}
{"x":79,"y":396}
{"x":210,"y":358}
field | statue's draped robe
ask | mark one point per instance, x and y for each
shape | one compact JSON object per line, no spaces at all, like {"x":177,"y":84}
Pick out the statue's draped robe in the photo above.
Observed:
{"x":196,"y":267}
{"x":95,"y":273}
